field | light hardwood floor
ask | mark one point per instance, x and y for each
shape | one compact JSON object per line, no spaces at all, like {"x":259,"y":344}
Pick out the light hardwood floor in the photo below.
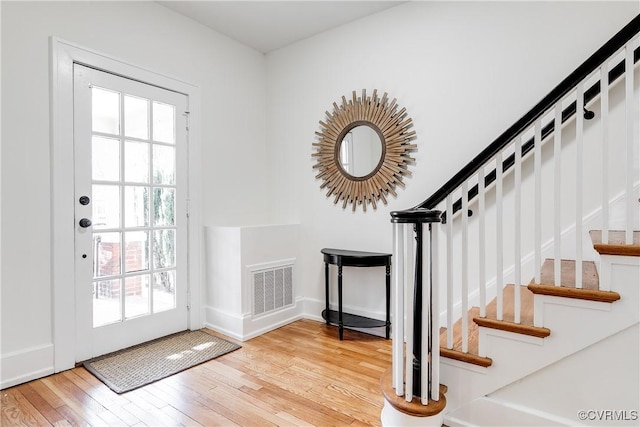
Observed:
{"x":300,"y":374}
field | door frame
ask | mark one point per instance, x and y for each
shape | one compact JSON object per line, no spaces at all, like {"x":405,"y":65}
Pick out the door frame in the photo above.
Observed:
{"x":63,"y":55}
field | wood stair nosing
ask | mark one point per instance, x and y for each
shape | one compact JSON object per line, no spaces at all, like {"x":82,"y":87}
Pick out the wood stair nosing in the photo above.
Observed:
{"x":525,"y":326}
{"x":583,"y":294}
{"x":459,"y":355}
{"x":590,"y":290}
{"x":518,"y":328}
{"x":616,"y":244}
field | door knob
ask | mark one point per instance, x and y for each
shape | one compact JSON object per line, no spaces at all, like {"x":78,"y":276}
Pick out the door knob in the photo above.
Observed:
{"x":85,"y":222}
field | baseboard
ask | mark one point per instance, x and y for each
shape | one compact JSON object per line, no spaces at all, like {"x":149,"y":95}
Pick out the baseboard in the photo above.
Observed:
{"x":271,"y":326}
{"x":243,"y":327}
{"x":224,"y":322}
{"x":25,"y":365}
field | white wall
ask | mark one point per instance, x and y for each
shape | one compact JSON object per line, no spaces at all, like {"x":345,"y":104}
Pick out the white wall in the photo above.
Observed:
{"x":464,"y":71}
{"x":231,"y":78}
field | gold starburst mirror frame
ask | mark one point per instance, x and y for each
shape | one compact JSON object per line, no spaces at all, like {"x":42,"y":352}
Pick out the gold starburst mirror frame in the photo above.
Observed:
{"x":378,"y":119}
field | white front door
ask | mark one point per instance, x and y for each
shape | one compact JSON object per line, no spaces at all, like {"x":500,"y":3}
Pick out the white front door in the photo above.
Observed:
{"x":131,"y":213}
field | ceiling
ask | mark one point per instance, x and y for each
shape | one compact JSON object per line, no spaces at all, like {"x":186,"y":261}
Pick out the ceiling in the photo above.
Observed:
{"x":270,"y":25}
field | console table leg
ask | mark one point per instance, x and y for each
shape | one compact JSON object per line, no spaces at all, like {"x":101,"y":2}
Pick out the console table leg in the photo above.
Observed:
{"x":340,"y":325}
{"x":326,"y":290}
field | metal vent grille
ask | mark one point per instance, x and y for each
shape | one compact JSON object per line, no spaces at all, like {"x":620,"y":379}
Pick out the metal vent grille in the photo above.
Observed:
{"x":272,"y":289}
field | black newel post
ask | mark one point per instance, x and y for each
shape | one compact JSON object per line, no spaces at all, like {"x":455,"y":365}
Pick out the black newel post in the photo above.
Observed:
{"x":417,"y":312}
{"x":417,"y":217}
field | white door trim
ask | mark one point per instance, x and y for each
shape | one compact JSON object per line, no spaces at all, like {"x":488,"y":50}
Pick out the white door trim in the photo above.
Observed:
{"x":63,"y":55}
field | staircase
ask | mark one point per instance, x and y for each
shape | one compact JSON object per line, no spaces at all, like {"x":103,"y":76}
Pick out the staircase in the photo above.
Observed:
{"x":556,"y":321}
{"x":528,"y":256}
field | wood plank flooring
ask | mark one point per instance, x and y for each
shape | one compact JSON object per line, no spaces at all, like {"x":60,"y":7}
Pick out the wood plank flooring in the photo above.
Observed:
{"x":298,"y":375}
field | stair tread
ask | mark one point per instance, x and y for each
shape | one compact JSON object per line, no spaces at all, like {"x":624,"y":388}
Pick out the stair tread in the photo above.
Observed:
{"x":590,"y":282}
{"x":617,"y":243}
{"x":457,"y":333}
{"x":525,"y":326}
{"x":584,"y":294}
{"x":590,"y":279}
{"x":508,"y":306}
{"x":456,"y":352}
{"x":474,"y":359}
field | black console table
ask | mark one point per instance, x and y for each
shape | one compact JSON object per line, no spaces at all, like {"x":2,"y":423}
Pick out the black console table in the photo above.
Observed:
{"x":345,"y":258}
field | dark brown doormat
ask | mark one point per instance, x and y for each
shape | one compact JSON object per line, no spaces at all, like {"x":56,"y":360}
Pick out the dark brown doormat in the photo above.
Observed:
{"x":134,"y":367}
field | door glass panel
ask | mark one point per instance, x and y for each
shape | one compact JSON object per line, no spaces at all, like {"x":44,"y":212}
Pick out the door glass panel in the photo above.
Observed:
{"x":136,"y":162}
{"x":163,"y":206}
{"x":164,"y":164}
{"x":106,"y":302}
{"x":106,"y":206}
{"x":105,"y":155}
{"x":136,"y":201}
{"x":136,"y":256}
{"x":106,"y":254}
{"x":163,"y":123}
{"x":164,"y":254}
{"x":137,"y":296}
{"x":164,"y":291}
{"x":105,"y":111}
{"x":136,"y":117}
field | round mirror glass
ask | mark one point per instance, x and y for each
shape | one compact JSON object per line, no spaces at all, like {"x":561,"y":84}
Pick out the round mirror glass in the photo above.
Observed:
{"x":360,"y":151}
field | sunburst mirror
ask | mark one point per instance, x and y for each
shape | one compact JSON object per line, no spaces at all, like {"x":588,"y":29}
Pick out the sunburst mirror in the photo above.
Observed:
{"x":363,"y":150}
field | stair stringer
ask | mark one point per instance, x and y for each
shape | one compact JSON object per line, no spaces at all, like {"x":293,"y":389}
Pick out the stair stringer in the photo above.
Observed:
{"x":574,"y":324}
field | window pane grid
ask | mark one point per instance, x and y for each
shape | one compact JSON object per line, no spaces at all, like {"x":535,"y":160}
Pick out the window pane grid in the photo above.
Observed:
{"x":147,"y":260}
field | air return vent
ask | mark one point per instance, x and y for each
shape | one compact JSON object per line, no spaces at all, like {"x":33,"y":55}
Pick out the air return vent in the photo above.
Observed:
{"x":272,"y":287}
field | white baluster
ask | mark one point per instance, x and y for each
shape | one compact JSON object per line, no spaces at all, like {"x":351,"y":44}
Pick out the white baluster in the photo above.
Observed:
{"x":604,"y":121}
{"x":517,"y":232}
{"x":499,"y":241}
{"x":426,"y":315}
{"x":398,"y":312}
{"x":449,"y":227}
{"x":557,"y":181}
{"x":408,"y":327}
{"x":631,"y":113}
{"x":579,"y":180}
{"x":435,"y":316}
{"x":481,"y":245}
{"x":537,"y":166}
{"x":465,"y":271}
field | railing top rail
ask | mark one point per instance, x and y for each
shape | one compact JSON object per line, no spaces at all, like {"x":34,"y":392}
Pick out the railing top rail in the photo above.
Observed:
{"x":416,"y":216}
{"x":571,"y":81}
